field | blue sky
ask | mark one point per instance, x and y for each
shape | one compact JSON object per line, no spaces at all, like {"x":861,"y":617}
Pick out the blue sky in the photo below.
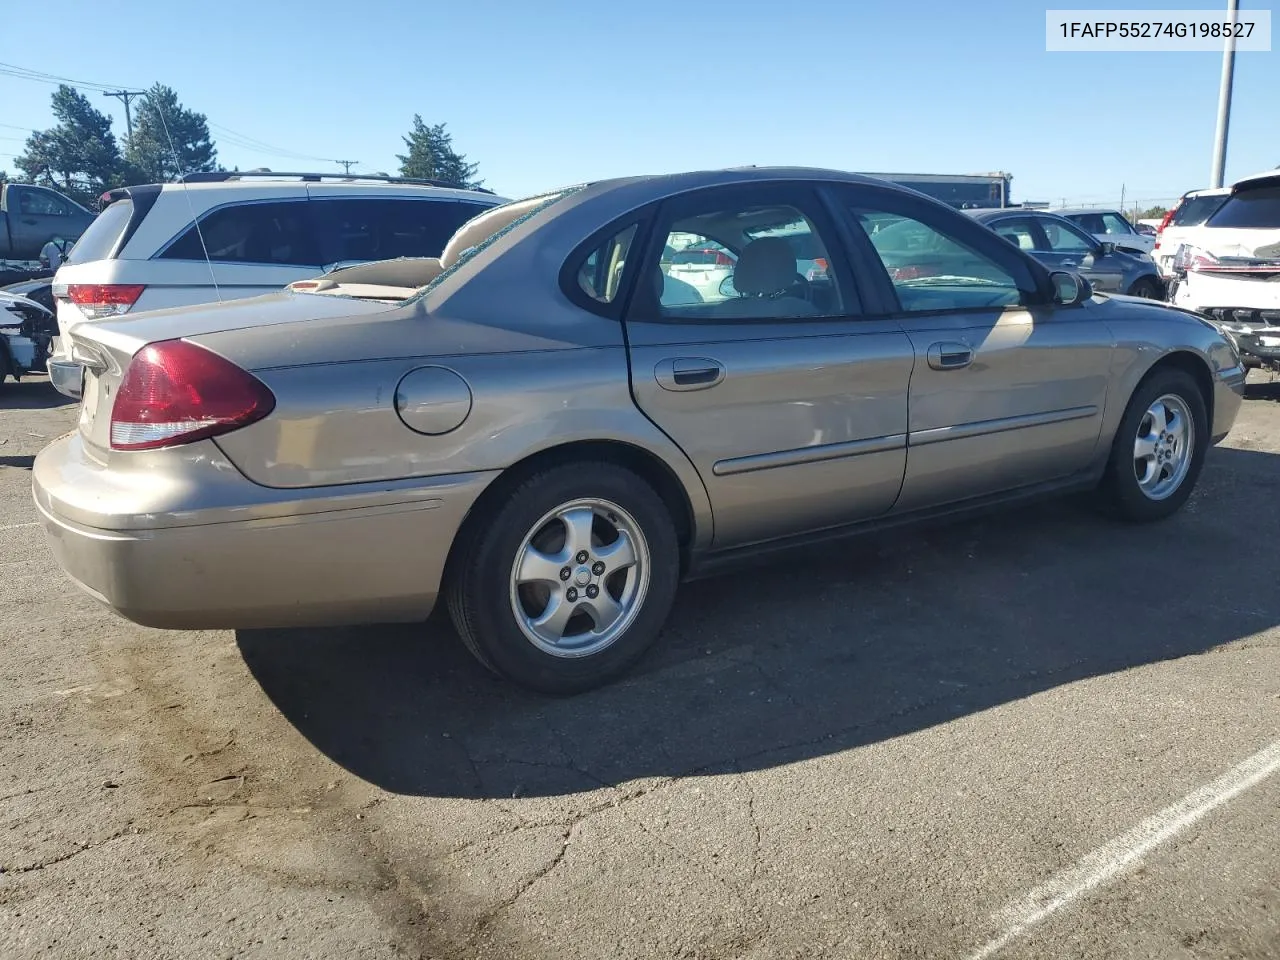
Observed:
{"x":551,"y":93}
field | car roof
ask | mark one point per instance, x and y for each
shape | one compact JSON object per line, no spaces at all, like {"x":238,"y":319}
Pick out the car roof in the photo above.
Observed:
{"x":1073,"y":211}
{"x":1258,"y":179}
{"x":990,"y":213}
{"x":342,"y":186}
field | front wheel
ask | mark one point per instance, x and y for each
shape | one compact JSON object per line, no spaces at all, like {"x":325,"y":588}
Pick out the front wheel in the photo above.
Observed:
{"x":570,"y":581}
{"x":1148,"y":288}
{"x":1159,"y":448}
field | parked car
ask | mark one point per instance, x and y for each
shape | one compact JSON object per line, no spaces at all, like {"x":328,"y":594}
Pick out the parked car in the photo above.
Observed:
{"x":224,"y":236}
{"x":1110,"y":226}
{"x":26,"y":329}
{"x":530,"y":428}
{"x":1060,"y":244}
{"x":1228,"y":267}
{"x":1192,"y":209}
{"x":31,"y":216}
{"x":39,"y":289}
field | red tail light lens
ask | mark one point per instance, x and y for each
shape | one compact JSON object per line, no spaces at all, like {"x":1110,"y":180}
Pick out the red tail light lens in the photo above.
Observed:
{"x":175,"y":392}
{"x":723,"y":260}
{"x":97,"y":300}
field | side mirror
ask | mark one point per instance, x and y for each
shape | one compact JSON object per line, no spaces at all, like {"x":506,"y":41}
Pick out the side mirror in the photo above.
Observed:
{"x":1069,"y":289}
{"x":726,"y":287}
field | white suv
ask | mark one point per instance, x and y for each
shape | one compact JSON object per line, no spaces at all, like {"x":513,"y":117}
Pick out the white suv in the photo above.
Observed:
{"x":224,"y":236}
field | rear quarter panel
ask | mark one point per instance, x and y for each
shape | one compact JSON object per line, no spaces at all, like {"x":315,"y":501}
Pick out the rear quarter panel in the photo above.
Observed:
{"x":336,"y":419}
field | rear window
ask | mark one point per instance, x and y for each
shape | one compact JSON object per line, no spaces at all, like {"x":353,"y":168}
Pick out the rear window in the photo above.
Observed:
{"x":383,"y":229}
{"x":700,"y":256}
{"x":1250,"y":209}
{"x":97,"y":242}
{"x":1194,"y":211}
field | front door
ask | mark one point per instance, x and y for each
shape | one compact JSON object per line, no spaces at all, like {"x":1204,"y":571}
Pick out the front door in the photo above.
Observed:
{"x":1008,"y":390}
{"x":792,"y":406}
{"x":1066,"y":247}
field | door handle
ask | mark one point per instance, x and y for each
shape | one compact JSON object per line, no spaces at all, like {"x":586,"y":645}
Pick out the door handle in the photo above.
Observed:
{"x":1070,"y":263}
{"x":950,"y":356}
{"x":29,"y":221}
{"x":688,"y":373}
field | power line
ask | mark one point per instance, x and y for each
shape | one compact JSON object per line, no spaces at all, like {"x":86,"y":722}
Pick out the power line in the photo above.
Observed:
{"x":346,"y":164}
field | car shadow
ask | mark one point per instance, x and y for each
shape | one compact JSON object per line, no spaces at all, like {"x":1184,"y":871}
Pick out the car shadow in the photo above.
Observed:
{"x":32,"y":392}
{"x":1265,"y":390}
{"x":802,"y":658}
{"x":24,"y":463}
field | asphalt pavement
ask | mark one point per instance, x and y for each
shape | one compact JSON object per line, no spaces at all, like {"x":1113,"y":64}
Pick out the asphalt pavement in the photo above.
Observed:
{"x":1040,"y":734}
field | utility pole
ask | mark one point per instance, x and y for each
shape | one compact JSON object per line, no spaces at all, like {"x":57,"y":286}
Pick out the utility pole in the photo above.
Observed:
{"x":346,"y":164}
{"x":1122,"y":198}
{"x":124,"y":96}
{"x":1224,"y":98}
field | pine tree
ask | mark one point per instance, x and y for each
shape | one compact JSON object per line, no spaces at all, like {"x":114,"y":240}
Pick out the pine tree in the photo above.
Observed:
{"x":78,"y":156}
{"x":431,"y":156}
{"x":168,"y":139}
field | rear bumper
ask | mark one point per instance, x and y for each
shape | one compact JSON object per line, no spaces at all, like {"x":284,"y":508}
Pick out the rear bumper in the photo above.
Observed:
{"x":67,"y":378}
{"x":346,"y":555}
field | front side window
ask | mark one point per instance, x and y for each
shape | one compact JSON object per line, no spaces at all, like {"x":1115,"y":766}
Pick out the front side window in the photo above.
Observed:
{"x":256,"y":233}
{"x":1114,"y":224}
{"x":367,"y":229}
{"x":932,"y":269}
{"x":752,"y":254}
{"x":1065,"y":238}
{"x":42,"y":203}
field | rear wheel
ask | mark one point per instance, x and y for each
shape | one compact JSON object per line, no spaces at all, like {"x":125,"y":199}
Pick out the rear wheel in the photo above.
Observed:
{"x":1159,"y":448}
{"x":570,"y":581}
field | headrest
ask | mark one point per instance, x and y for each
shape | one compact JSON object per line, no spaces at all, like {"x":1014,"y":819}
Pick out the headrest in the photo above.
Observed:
{"x":766,"y":266}
{"x":480,"y":228}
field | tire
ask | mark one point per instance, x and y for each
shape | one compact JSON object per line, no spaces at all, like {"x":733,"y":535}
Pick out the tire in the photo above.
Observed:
{"x":1176,"y":461}
{"x":521,"y":567}
{"x":1148,"y":288}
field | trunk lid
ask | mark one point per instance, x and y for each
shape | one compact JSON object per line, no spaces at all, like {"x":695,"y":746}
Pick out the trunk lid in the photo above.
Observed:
{"x":107,"y":347}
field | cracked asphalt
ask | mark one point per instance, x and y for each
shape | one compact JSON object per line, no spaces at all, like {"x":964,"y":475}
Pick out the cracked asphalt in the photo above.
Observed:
{"x":869,"y":752}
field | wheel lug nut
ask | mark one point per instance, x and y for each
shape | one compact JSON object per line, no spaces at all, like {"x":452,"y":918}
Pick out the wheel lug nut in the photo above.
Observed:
{"x":593,"y":591}
{"x":571,"y":594}
{"x":583,"y":556}
{"x":597,"y":568}
{"x":565,"y":573}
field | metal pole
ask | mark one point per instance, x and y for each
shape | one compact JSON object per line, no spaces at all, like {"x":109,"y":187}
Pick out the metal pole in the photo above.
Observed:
{"x":1224,"y":99}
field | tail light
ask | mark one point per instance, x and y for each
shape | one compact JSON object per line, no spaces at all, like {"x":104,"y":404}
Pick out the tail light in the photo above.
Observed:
{"x":175,"y":392}
{"x":723,"y":259}
{"x":97,"y":300}
{"x":1189,"y":258}
{"x":819,"y":269}
{"x":1164,"y":222}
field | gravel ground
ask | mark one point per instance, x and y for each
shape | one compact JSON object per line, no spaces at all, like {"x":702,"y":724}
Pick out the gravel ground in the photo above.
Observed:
{"x":878,"y":751}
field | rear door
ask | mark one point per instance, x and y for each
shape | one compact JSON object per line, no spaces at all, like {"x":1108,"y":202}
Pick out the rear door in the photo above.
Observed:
{"x":1007,"y":390}
{"x":247,"y":247}
{"x":791,"y":404}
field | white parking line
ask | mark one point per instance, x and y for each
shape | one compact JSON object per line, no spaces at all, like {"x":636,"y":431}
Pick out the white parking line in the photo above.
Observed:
{"x":19,"y":526}
{"x":1104,"y":863}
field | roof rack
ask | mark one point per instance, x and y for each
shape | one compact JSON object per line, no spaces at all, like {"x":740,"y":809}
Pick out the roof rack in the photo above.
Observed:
{"x":222,"y":176}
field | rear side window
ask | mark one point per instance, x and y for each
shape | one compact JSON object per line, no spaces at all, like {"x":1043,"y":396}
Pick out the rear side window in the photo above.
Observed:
{"x":1250,"y":209}
{"x":260,"y":233}
{"x":97,"y":242}
{"x":383,"y":229}
{"x":1194,"y":211}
